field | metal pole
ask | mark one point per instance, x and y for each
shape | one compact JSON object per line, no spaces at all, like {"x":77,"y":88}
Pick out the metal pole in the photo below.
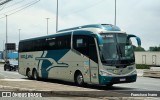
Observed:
{"x":47,"y":25}
{"x":6,"y":39}
{"x":19,"y":34}
{"x":6,"y":31}
{"x":115,"y":13}
{"x":3,"y":49}
{"x":57,"y":18}
{"x":3,"y":45}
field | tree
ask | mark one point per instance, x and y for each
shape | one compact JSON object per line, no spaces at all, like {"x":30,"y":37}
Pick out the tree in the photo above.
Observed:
{"x":138,"y":48}
{"x":154,"y":48}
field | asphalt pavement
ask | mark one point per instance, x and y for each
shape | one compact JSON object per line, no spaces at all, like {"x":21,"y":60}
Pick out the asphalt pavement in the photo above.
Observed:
{"x":14,"y":81}
{"x":142,"y":83}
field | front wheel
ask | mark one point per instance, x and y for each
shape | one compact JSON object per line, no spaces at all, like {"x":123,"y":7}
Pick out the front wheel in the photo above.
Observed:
{"x":79,"y":79}
{"x":109,"y":85}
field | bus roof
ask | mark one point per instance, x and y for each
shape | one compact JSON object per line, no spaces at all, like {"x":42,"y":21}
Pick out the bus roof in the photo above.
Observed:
{"x":93,"y":28}
{"x":107,"y":27}
{"x":48,"y":36}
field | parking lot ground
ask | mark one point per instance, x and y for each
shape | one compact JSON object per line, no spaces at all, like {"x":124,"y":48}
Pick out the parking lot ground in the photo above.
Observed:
{"x":13,"y":81}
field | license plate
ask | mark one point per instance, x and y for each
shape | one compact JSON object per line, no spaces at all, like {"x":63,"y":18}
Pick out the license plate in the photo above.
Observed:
{"x":122,"y":79}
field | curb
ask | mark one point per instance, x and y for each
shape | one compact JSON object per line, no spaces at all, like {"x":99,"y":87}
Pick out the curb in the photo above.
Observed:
{"x":154,"y":74}
{"x":140,"y":72}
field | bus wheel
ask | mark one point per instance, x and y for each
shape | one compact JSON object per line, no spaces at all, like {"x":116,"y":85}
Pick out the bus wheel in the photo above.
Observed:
{"x":35,"y":74}
{"x":28,"y":74}
{"x":79,"y":79}
{"x":109,"y":85}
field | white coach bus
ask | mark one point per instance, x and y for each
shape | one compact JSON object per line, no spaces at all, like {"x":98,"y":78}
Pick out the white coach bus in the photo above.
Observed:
{"x":94,"y":54}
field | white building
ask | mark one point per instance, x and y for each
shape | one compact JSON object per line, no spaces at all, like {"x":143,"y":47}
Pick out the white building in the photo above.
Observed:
{"x":148,"y":58}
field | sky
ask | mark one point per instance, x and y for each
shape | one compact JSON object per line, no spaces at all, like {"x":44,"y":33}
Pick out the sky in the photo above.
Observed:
{"x":139,"y":17}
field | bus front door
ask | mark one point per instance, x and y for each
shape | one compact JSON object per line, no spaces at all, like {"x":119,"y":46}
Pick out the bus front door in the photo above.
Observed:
{"x":94,"y":77}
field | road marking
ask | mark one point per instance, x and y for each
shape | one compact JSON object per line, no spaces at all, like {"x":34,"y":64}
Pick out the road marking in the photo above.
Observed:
{"x":5,"y":76}
{"x":9,"y":72}
{"x":14,"y":80}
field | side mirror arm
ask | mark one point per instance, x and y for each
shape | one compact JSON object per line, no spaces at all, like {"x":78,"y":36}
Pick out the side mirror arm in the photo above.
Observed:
{"x":137,"y":38}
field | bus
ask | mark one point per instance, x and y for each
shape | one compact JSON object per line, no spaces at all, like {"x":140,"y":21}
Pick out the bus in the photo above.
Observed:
{"x":91,"y":54}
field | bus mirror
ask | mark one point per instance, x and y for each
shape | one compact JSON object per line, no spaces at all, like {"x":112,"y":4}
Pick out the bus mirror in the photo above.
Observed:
{"x":137,"y":38}
{"x":138,"y":41}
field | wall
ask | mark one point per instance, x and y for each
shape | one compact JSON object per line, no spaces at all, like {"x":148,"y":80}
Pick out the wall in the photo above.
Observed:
{"x":149,"y":58}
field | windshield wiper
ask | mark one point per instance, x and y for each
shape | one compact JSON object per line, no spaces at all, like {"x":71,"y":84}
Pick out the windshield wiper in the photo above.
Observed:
{"x":114,"y":60}
{"x":119,"y":49}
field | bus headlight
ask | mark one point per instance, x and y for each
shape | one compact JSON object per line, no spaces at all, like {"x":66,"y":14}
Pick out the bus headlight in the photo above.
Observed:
{"x":104,"y":73}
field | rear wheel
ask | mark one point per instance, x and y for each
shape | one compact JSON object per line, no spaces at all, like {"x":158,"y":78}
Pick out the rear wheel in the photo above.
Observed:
{"x":35,"y":75}
{"x":28,"y":73}
{"x":79,"y":79}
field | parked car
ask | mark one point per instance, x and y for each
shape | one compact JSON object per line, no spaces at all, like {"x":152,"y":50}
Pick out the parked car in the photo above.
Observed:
{"x":11,"y":65}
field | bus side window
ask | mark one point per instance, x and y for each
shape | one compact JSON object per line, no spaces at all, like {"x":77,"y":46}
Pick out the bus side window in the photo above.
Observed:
{"x":52,"y":44}
{"x":64,"y":42}
{"x":38,"y":45}
{"x":28,"y":46}
{"x":80,"y":43}
{"x":60,"y":42}
{"x":85,"y":45}
{"x":20,"y":47}
{"x":92,"y":50}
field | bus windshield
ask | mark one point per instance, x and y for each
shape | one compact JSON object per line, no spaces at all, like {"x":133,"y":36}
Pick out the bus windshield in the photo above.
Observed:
{"x":117,"y":50}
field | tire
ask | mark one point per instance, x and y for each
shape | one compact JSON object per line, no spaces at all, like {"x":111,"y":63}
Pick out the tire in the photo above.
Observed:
{"x":28,"y":74}
{"x":109,"y":85}
{"x":4,"y":67}
{"x":10,"y":68}
{"x":79,"y":80}
{"x":15,"y":69}
{"x":35,"y":75}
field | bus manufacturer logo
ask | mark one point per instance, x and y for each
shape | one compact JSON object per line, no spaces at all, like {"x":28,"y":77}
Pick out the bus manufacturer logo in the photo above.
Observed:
{"x":26,"y":56}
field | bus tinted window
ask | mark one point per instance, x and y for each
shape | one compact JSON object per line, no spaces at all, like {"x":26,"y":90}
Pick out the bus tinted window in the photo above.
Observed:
{"x":53,"y":43}
{"x":85,"y":45}
{"x":80,"y":43}
{"x":64,"y":42}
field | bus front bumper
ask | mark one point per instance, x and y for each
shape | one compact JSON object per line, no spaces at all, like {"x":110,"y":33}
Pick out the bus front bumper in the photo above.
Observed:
{"x":104,"y":80}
